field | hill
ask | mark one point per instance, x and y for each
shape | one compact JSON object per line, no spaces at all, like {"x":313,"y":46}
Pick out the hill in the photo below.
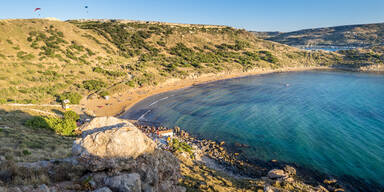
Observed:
{"x":42,"y":59}
{"x":46,"y":61}
{"x":363,"y":35}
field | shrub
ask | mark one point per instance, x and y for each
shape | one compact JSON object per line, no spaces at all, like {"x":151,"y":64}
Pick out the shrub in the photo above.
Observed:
{"x":61,"y":126}
{"x":161,"y":43}
{"x":106,"y":72}
{"x":3,"y":101}
{"x":24,"y":56}
{"x":130,"y":83}
{"x":93,"y":85}
{"x":104,"y":93}
{"x":71,"y":115}
{"x":181,"y":146}
{"x":26,"y":152}
{"x":267,"y":56}
{"x":73,"y":97}
{"x":37,"y":122}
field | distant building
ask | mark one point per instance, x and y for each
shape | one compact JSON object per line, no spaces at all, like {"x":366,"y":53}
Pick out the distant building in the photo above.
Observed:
{"x":65,"y":104}
{"x":166,"y":133}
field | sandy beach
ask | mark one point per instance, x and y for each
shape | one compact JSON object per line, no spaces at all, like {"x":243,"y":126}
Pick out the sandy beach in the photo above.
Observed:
{"x":120,"y":102}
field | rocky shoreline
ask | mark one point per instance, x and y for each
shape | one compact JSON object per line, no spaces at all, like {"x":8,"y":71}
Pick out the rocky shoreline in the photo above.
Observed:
{"x":115,"y":155}
{"x":228,"y":158}
{"x":232,"y":164}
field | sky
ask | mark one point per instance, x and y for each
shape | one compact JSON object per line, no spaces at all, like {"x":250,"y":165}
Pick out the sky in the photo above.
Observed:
{"x":256,"y":15}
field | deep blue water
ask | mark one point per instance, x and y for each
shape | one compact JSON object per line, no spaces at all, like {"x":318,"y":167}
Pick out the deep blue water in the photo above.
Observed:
{"x":329,"y":121}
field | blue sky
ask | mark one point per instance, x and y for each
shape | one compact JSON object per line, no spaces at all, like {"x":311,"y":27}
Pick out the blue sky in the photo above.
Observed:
{"x":259,"y":15}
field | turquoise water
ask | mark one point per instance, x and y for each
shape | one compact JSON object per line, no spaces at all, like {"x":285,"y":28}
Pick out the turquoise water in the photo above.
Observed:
{"x":332,"y":122}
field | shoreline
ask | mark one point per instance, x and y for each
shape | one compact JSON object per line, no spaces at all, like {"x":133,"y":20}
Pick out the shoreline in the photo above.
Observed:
{"x":119,"y":103}
{"x":229,"y":159}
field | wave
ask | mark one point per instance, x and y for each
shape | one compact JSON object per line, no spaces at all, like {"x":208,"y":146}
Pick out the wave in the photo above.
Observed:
{"x":159,"y":100}
{"x":143,"y":115}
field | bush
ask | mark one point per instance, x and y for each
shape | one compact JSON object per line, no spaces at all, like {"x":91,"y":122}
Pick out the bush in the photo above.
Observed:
{"x":71,"y":115}
{"x":181,"y":146}
{"x":93,"y":85}
{"x":73,"y":97}
{"x":104,"y":93}
{"x":65,"y":127}
{"x":37,"y":123}
{"x":26,"y":152}
{"x":3,"y":101}
{"x":106,"y":72}
{"x":267,"y":56}
{"x":24,"y":56}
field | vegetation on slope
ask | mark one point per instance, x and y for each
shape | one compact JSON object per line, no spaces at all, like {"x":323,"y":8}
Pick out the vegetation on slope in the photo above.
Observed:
{"x":43,"y":60}
{"x":349,"y":35}
{"x":20,"y":142}
{"x":48,"y":61}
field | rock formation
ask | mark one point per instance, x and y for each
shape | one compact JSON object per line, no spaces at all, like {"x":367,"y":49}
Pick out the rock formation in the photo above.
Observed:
{"x":111,"y":155}
{"x":128,"y":156}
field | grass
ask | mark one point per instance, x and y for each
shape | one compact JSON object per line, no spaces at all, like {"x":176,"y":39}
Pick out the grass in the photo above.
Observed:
{"x":84,"y":57}
{"x":22,"y":143}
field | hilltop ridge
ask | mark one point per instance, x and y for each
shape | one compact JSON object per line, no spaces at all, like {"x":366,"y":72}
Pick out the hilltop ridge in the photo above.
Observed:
{"x":125,"y":21}
{"x":360,"y":35}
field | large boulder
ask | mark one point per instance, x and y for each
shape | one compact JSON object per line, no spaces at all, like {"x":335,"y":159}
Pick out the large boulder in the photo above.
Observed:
{"x":130,"y":159}
{"x":110,"y":137}
{"x":106,"y":141}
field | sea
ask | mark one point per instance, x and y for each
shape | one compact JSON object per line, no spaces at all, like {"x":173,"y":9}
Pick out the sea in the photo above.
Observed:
{"x":328,"y":121}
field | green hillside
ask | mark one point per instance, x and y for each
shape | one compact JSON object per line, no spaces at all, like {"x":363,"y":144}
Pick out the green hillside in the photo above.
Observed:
{"x":42,"y":61}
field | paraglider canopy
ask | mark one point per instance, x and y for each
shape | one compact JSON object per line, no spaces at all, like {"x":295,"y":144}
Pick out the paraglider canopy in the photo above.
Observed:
{"x":86,"y":7}
{"x":37,"y":10}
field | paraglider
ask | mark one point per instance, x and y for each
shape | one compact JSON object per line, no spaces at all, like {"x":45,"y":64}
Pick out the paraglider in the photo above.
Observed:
{"x":86,"y":8}
{"x":37,"y":10}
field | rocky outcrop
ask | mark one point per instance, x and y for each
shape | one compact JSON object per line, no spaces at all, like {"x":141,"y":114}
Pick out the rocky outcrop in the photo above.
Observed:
{"x":108,"y":142}
{"x":276,"y":173}
{"x":111,"y":155}
{"x":124,"y":182}
{"x":130,"y":159}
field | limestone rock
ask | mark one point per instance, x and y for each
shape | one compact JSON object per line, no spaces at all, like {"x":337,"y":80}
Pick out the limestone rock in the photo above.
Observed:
{"x":43,"y":188}
{"x":107,"y":139}
{"x":290,"y":170}
{"x":276,"y":173}
{"x":104,"y":189}
{"x":121,"y":150}
{"x":125,"y":183}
